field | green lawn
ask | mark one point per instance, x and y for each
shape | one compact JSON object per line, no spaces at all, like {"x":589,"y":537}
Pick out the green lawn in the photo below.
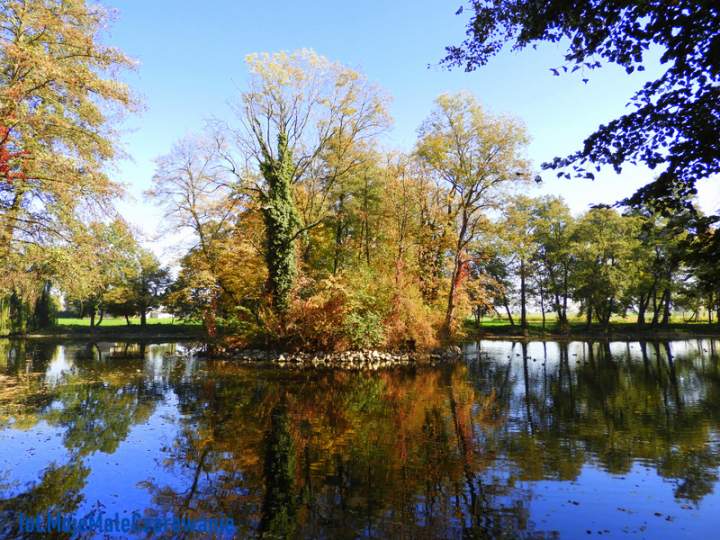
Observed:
{"x":118,"y":327}
{"x":501,"y":326}
{"x":114,"y":321}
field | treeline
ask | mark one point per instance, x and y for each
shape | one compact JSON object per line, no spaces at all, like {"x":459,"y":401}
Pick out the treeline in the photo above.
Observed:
{"x":603,"y":263}
{"x":292,"y":226}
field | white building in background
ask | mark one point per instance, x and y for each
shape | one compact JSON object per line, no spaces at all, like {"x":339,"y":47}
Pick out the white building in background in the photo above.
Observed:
{"x":159,"y":314}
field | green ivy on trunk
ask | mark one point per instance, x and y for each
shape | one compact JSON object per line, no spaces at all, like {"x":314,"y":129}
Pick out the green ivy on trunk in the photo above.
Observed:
{"x":281,"y":225}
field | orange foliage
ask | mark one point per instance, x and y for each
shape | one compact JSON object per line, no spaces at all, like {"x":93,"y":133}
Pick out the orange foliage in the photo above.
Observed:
{"x":9,"y":169}
{"x":410,"y":322}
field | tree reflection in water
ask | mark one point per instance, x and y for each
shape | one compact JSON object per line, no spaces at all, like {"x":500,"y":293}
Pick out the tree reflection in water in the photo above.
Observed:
{"x":453,"y":451}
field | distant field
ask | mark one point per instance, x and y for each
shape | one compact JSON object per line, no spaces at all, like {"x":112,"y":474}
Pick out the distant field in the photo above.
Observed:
{"x":113,"y":321}
{"x":577,"y":327}
{"x":536,"y":320}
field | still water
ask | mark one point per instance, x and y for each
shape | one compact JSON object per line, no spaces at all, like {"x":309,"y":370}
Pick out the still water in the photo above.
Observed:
{"x":539,"y":440}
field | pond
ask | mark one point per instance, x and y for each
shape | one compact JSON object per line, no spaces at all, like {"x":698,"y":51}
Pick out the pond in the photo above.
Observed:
{"x":538,"y":440}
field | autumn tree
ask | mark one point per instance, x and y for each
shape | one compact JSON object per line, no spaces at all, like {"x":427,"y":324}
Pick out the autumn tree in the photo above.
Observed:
{"x":477,"y":157}
{"x":299,"y":105}
{"x":59,"y":90}
{"x":103,"y":261}
{"x":200,"y":200}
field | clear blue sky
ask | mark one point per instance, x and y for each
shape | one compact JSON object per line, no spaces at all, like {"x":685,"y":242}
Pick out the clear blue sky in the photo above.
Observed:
{"x":191,"y":57}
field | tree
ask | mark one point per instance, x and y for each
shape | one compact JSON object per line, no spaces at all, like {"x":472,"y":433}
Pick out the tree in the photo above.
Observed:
{"x":58,"y":89}
{"x":658,"y":259}
{"x":517,"y":232}
{"x":59,"y":92}
{"x":297,"y":107}
{"x":500,"y":284}
{"x":556,"y":258}
{"x":195,"y":190}
{"x":150,"y":284}
{"x":701,"y":258}
{"x":225,"y":278}
{"x":141,"y":290}
{"x":604,"y":243}
{"x":199,"y":197}
{"x":104,"y":262}
{"x":476,"y":156}
{"x":675,"y":123}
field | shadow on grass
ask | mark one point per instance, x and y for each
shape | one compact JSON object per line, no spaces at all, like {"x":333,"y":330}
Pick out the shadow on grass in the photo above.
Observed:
{"x":580,"y":330}
{"x":180,"y":330}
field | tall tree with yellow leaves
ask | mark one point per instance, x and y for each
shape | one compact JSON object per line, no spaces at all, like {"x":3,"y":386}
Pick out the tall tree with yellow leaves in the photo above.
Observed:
{"x":476,"y":156}
{"x":298,"y":106}
{"x":58,"y":92}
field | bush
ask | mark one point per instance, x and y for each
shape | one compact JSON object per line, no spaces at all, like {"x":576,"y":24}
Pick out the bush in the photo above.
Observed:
{"x":364,"y":330}
{"x":316,"y":319}
{"x":410,"y":323}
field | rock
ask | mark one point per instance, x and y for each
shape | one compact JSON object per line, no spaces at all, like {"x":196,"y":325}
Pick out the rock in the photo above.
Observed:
{"x":451,"y":352}
{"x":371,"y":360}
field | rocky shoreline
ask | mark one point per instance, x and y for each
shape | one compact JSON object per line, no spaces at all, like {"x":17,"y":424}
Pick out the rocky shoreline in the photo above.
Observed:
{"x":370,"y":360}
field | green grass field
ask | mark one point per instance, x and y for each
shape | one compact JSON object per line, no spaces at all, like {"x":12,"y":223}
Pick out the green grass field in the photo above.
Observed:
{"x":118,"y":325}
{"x":490,"y":326}
{"x":114,"y":321}
{"x":618,"y":325}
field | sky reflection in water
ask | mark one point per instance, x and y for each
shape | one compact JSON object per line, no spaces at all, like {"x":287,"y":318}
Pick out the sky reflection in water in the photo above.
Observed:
{"x":519,"y":441}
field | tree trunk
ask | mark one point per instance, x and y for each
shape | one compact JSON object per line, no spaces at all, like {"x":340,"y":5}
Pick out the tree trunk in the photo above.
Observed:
{"x":523,"y":311}
{"x":564,"y":320}
{"x":92,"y":317}
{"x":542,"y":306}
{"x":666,"y":308}
{"x":710,"y":310}
{"x":656,"y":308}
{"x":366,"y":222}
{"x":507,"y":310}
{"x":450,"y":311}
{"x":339,"y":235}
{"x":7,"y":229}
{"x":642,"y":306}
{"x":127,"y":320}
{"x":608,"y":315}
{"x":281,"y":226}
{"x":143,"y":317}
{"x":588,"y":321}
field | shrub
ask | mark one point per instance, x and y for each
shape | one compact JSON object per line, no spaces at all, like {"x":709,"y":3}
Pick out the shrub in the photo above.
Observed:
{"x":364,"y":329}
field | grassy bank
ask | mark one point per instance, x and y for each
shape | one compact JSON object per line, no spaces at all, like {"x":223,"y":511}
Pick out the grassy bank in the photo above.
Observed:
{"x":619,"y":329}
{"x":118,"y":328}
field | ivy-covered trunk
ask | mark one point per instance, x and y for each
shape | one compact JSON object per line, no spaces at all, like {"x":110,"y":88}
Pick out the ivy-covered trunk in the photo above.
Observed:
{"x":281,"y":225}
{"x":19,"y":314}
{"x":5,"y":315}
{"x":523,"y":298}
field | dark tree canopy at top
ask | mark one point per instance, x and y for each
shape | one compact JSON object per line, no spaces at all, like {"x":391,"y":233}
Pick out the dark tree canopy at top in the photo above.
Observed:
{"x":674,"y":123}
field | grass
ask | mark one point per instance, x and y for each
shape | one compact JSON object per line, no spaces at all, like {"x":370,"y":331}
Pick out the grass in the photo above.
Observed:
{"x":113,"y":321}
{"x":619,"y":327}
{"x":117,"y":327}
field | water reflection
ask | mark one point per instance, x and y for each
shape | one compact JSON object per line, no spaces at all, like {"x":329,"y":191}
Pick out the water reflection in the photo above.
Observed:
{"x":521,"y":440}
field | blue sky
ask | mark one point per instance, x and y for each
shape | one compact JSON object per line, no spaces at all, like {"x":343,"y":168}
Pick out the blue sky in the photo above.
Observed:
{"x":191,"y":64}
